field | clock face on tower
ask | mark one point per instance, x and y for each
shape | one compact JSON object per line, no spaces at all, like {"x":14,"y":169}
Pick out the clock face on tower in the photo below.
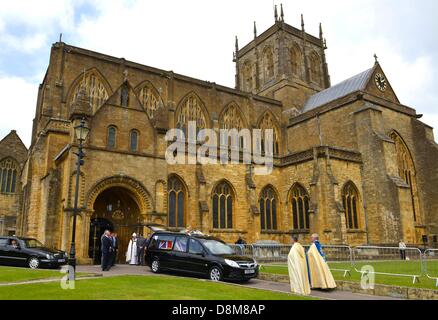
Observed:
{"x":381,"y":82}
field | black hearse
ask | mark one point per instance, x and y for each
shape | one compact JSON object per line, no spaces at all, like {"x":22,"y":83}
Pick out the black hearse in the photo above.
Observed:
{"x":198,"y":255}
{"x":28,"y":252}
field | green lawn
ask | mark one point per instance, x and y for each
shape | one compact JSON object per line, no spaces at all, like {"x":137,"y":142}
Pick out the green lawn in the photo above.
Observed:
{"x":139,"y":288}
{"x":10,"y":274}
{"x":408,"y":267}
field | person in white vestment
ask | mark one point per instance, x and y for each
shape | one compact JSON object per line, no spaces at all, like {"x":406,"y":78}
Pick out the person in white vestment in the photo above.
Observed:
{"x":297,"y":267}
{"x":319,"y":271}
{"x":131,"y":254}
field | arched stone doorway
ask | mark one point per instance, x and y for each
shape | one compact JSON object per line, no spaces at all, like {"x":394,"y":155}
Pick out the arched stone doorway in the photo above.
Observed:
{"x":119,"y":204}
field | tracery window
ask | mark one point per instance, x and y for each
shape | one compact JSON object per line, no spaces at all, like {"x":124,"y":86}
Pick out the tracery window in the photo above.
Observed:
{"x":176,"y":202}
{"x":8,"y":176}
{"x":407,"y":172}
{"x":150,"y":99}
{"x":247,"y":77}
{"x":350,"y":199}
{"x":268,"y":209}
{"x":191,"y":110}
{"x":95,"y":90}
{"x":315,"y":68}
{"x":300,"y":208}
{"x":232,"y":119}
{"x":268,"y":64}
{"x":222,"y":206}
{"x":296,"y":61}
{"x":266,"y":123}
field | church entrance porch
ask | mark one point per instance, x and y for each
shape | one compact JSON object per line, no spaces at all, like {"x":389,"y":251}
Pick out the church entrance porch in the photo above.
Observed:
{"x":115,"y":209}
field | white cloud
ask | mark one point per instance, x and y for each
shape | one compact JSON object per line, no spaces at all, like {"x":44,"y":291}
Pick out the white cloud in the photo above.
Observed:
{"x":17,"y":108}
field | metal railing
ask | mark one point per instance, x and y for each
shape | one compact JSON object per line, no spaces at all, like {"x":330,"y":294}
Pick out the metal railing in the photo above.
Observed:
{"x":389,"y":261}
{"x":431,"y":264}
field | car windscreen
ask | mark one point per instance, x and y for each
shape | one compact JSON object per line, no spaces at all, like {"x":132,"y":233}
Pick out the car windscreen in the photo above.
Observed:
{"x":32,"y":243}
{"x":217,"y":247}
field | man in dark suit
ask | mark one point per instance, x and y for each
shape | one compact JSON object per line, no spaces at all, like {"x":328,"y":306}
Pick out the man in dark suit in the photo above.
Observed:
{"x":141,"y":243}
{"x":107,"y":250}
{"x":115,"y":242}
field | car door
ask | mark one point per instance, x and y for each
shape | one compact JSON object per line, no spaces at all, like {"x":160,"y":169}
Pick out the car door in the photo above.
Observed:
{"x":196,"y":261}
{"x":3,"y":257}
{"x":17,"y":256}
{"x":180,"y":256}
{"x":164,"y":246}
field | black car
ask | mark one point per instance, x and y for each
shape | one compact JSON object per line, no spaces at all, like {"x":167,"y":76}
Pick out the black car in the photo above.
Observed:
{"x":27,"y":252}
{"x":199,"y":255}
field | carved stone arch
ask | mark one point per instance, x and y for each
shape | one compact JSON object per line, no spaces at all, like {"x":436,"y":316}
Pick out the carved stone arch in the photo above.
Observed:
{"x":298,"y":200}
{"x":238,"y":112}
{"x":274,"y":189}
{"x":352,"y":204}
{"x":295,"y":186}
{"x":139,"y":192}
{"x":149,"y":97}
{"x":98,"y":88}
{"x":192,"y":108}
{"x":181,"y":179}
{"x":218,"y":183}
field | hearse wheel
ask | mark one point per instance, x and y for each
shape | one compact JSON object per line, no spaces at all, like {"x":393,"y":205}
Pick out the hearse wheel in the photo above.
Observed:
{"x":155,"y":266}
{"x":215,"y":274}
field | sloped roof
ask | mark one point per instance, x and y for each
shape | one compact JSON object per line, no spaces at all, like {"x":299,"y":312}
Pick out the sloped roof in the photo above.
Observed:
{"x":356,"y":83}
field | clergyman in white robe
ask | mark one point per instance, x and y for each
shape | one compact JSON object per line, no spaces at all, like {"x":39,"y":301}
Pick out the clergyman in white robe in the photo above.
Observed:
{"x":131,"y":253}
{"x":297,"y":266}
{"x":320,"y":274}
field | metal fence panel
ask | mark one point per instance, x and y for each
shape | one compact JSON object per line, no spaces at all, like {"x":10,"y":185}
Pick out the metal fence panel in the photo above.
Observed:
{"x":390,"y":261}
{"x":431,"y":264}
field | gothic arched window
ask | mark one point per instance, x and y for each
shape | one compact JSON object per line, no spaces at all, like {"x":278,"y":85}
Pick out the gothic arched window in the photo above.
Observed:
{"x":9,"y":171}
{"x":296,"y":61}
{"x":223,"y":206}
{"x":133,"y":143}
{"x":111,"y":137}
{"x":191,"y":109}
{"x":268,"y":64}
{"x":176,"y":202}
{"x":95,"y":89}
{"x":231,"y":118}
{"x":315,"y":68}
{"x":406,"y":171}
{"x":266,"y":123}
{"x":150,"y":99}
{"x":268,"y":209}
{"x":247,"y":77}
{"x":350,"y":199}
{"x":300,"y":208}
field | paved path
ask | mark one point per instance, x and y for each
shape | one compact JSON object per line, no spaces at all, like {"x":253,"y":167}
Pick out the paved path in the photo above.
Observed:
{"x":255,"y":283}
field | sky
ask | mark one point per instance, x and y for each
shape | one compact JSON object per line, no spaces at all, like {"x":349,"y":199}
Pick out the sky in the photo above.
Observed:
{"x":196,"y":38}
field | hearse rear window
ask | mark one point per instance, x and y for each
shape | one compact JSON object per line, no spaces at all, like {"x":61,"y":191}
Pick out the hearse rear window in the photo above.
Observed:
{"x":162,"y":242}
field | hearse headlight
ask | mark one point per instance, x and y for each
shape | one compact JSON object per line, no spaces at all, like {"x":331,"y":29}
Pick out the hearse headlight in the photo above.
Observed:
{"x":232,"y":263}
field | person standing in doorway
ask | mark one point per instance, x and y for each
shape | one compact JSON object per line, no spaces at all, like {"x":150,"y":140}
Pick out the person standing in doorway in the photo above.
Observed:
{"x":131,"y":254}
{"x":115,"y":241}
{"x":107,"y":250}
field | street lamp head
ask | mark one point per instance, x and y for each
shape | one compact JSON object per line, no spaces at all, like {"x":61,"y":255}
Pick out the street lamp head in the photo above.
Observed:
{"x":82,"y":131}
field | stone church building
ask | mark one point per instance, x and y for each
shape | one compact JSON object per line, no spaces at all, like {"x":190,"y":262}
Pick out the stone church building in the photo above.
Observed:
{"x":351,"y":162}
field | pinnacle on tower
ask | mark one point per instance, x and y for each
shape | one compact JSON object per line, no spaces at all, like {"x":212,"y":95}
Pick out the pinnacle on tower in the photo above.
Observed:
{"x":255,"y":30}
{"x":302,"y":22}
{"x":281,"y":13}
{"x":237,"y":44}
{"x":275,"y":13}
{"x":320,"y":31}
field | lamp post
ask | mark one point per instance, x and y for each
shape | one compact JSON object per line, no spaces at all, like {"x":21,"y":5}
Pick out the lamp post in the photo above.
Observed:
{"x":81,"y":133}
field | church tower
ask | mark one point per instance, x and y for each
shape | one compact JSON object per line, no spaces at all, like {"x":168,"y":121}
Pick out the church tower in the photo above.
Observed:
{"x":284,"y":63}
